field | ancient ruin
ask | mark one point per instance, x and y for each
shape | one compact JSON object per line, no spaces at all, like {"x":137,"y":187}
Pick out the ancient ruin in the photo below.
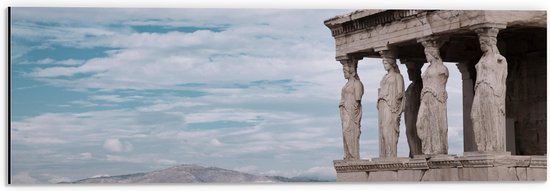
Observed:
{"x":350,"y":110}
{"x":502,"y":58}
{"x":390,"y":105}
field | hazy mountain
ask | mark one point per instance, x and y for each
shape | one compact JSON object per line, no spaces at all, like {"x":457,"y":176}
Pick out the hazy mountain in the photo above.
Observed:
{"x":192,"y":174}
{"x":300,"y":179}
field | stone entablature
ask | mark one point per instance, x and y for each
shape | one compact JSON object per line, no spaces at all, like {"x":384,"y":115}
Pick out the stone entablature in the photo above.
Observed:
{"x":471,"y":167}
{"x":367,"y":29}
{"x":474,"y":161}
{"x":347,"y":24}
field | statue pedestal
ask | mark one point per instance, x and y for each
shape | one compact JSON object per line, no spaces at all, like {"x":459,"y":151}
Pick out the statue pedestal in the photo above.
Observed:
{"x":473,"y":166}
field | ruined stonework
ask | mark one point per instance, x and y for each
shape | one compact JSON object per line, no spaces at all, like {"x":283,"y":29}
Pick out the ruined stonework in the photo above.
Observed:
{"x":488,"y":108}
{"x":432,"y":114}
{"x":501,"y":56}
{"x":391,"y":101}
{"x":471,"y":167}
{"x":350,"y":110}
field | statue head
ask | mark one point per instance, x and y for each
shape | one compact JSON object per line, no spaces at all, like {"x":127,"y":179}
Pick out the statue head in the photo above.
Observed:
{"x":432,"y":55}
{"x":346,"y":71}
{"x":487,"y":39}
{"x":350,"y":69}
{"x":487,"y":44}
{"x":390,"y":65}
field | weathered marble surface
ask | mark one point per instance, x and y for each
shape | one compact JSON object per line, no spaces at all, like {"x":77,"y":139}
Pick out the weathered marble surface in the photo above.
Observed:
{"x":416,"y":25}
{"x":380,"y":176}
{"x":474,"y":166}
{"x":391,"y":102}
{"x":352,"y":177}
{"x":488,"y":108}
{"x":412,"y":104}
{"x":350,"y":110}
{"x":432,"y":114}
{"x":363,"y":32}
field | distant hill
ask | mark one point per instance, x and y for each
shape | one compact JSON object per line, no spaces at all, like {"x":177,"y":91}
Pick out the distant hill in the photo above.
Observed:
{"x":299,"y":179}
{"x":192,"y":174}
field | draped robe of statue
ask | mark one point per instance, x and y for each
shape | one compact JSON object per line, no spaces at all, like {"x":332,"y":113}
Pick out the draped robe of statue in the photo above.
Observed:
{"x":488,"y":107}
{"x":351,"y":113}
{"x":390,"y":105}
{"x":412,"y":94}
{"x":431,"y":123}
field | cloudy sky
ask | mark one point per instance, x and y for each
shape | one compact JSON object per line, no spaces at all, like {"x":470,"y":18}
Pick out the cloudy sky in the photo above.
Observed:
{"x":105,"y":91}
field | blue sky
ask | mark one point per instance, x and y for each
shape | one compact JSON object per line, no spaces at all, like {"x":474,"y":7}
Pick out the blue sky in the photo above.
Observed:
{"x":105,"y":91}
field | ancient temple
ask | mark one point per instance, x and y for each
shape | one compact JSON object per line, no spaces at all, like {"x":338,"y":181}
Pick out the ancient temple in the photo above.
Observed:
{"x":502,"y":58}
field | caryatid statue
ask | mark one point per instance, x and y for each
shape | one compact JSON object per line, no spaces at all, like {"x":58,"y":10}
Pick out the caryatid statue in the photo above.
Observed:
{"x":350,"y":109}
{"x":431,"y":123}
{"x":412,"y":95}
{"x":391,"y":102}
{"x":488,"y":107}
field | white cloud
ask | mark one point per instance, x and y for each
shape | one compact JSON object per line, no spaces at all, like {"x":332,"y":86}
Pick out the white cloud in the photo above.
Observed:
{"x":322,"y":171}
{"x":100,"y":175}
{"x":85,"y":156}
{"x":247,"y":169}
{"x":163,"y":60}
{"x":163,"y":105}
{"x":55,"y":72}
{"x":166,"y":162}
{"x":23,"y":178}
{"x":116,"y":146}
{"x":290,"y":125}
{"x":124,"y":159}
{"x":58,"y":179}
{"x":222,"y":114}
{"x":216,"y":142}
{"x":40,"y":140}
{"x":70,"y":62}
{"x":50,"y":61}
{"x":111,"y":98}
{"x":83,"y":103}
{"x":45,"y":61}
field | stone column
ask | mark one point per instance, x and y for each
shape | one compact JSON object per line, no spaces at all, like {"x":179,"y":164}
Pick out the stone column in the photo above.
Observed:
{"x":350,"y":109}
{"x":412,"y":104}
{"x":391,"y":102}
{"x":488,"y":107}
{"x":432,"y":115}
{"x":465,"y":69}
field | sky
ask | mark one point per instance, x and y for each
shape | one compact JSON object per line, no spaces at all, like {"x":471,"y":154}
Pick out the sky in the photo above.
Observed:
{"x":111,"y":91}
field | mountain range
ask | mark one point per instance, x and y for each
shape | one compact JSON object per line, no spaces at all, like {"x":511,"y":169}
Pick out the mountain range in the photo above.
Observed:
{"x":193,"y":174}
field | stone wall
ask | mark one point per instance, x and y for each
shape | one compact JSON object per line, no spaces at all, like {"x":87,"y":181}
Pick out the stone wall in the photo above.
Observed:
{"x":526,"y":91}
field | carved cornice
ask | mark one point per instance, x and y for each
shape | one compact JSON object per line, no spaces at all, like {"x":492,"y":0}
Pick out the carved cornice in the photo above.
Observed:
{"x":343,"y":166}
{"x":484,"y":161}
{"x":538,"y":162}
{"x":450,"y":163}
{"x":418,"y":164}
{"x":488,"y":25}
{"x":477,"y":163}
{"x":379,"y":18}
